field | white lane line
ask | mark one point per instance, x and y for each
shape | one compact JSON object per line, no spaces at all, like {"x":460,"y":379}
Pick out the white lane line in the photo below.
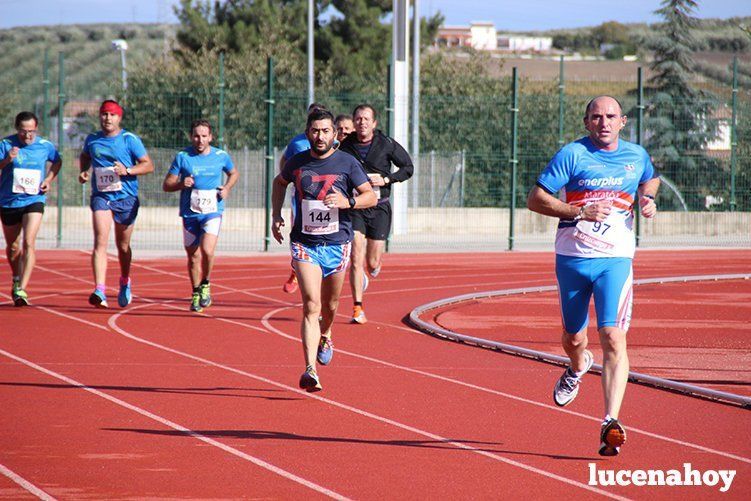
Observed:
{"x":33,"y":489}
{"x":267,"y":324}
{"x":273,"y":330}
{"x":269,"y":327}
{"x":113,"y":324}
{"x":177,"y":427}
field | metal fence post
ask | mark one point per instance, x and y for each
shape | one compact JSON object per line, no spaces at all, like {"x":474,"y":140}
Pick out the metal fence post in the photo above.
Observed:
{"x":221,"y":101}
{"x":513,"y":161}
{"x":60,"y":145}
{"x":639,"y":139}
{"x":46,"y":88}
{"x":269,"y":150}
{"x":461,"y":179}
{"x":733,"y":137}
{"x":561,"y":103}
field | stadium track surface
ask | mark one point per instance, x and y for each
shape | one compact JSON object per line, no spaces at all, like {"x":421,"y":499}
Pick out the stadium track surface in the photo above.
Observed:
{"x":153,"y":401}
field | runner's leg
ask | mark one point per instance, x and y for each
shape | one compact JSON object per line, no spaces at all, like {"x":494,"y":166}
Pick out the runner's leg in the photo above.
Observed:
{"x":31,"y":222}
{"x":102,"y":222}
{"x":310,"y":277}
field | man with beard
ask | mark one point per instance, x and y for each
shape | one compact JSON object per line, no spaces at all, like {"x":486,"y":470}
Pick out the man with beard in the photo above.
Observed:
{"x":321,"y":234}
{"x":197,"y":172}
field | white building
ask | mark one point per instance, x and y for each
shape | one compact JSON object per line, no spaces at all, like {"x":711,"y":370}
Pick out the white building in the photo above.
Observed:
{"x":483,"y":36}
{"x":518,"y":43}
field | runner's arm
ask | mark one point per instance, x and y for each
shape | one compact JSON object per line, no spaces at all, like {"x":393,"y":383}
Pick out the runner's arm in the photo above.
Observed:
{"x":172,"y":183}
{"x":544,"y":203}
{"x":277,"y":200}
{"x":51,"y":175}
{"x":403,"y":162}
{"x":143,"y":166}
{"x":647,"y":193}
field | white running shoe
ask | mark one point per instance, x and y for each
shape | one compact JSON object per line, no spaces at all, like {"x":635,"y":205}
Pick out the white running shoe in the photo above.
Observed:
{"x":567,"y":386}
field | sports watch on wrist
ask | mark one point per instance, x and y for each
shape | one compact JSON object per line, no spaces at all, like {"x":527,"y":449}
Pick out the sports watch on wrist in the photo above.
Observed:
{"x":352,"y":202}
{"x":386,"y":180}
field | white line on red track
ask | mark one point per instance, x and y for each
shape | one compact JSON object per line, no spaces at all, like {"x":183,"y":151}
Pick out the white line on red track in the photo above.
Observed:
{"x":177,"y":427}
{"x":33,"y":489}
{"x":270,"y":328}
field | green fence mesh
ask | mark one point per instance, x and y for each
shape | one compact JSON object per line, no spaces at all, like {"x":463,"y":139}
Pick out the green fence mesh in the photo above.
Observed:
{"x":460,"y":195}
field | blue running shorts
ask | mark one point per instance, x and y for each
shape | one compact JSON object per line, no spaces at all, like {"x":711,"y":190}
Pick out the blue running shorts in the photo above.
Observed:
{"x":610,"y":279}
{"x":124,"y":210}
{"x":195,"y":227}
{"x":332,"y":258}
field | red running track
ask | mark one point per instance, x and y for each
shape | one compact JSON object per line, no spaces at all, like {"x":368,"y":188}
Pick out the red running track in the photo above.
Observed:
{"x":152,"y":401}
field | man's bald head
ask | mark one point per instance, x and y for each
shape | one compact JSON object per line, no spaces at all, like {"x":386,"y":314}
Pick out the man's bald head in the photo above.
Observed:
{"x":605,"y":101}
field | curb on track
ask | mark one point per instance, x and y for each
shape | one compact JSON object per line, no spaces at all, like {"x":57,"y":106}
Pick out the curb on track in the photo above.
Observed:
{"x":635,"y":377}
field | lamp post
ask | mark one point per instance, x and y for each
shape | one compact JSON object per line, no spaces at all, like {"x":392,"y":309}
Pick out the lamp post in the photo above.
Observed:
{"x":121,"y":46}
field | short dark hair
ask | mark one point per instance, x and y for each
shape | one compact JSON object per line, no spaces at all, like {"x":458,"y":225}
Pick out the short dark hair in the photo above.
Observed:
{"x":316,"y":106}
{"x":591,"y":102}
{"x":364,"y":106}
{"x":341,"y":117}
{"x":200,"y":122}
{"x":318,"y":114}
{"x":24,"y":116}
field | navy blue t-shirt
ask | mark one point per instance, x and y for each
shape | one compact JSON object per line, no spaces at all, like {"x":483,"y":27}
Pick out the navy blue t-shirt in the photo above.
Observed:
{"x":315,"y":178}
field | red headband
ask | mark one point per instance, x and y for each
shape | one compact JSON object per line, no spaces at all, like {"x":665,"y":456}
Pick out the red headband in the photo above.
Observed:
{"x":111,"y":107}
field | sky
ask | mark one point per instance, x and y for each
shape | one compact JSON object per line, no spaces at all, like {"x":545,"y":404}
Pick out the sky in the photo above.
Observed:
{"x":512,"y":15}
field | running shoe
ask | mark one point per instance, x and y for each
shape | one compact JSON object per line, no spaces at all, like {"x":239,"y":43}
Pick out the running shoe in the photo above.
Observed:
{"x":358,"y":315}
{"x":309,"y":380}
{"x":98,"y":299}
{"x":205,"y":293}
{"x":195,"y":303}
{"x":567,"y":387}
{"x":612,"y":437}
{"x":365,"y":282}
{"x":20,"y":298}
{"x":325,"y":350}
{"x":16,"y":286}
{"x":125,"y":296}
{"x":290,"y":286}
{"x":375,"y":271}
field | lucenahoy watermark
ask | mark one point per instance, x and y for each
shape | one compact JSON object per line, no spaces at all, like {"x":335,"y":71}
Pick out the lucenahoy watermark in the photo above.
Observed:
{"x":640,"y":478}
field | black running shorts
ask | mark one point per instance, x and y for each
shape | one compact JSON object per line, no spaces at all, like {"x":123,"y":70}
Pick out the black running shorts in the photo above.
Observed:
{"x":374,"y":222}
{"x":12,"y":216}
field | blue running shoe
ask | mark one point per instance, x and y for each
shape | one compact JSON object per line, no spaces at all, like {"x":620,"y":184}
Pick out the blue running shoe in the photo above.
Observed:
{"x":98,"y":299}
{"x":124,"y":297}
{"x":309,"y":380}
{"x":325,"y":350}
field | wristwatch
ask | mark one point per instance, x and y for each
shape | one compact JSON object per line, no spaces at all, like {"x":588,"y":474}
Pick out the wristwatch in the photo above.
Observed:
{"x":386,"y":180}
{"x":352,"y":202}
{"x":579,"y":216}
{"x":127,"y":171}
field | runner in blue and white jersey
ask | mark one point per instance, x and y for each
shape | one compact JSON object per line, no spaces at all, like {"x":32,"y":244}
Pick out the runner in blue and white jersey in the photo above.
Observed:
{"x":24,"y":183}
{"x":602,"y":179}
{"x":113,"y":158}
{"x":197,"y":172}
{"x":321,"y":233}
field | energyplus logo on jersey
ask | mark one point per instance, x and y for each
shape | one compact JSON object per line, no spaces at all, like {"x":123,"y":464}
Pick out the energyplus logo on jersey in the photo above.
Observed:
{"x":686,"y":477}
{"x":602,"y":182}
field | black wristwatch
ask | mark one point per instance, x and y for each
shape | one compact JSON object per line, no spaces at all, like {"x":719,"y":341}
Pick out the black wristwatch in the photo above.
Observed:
{"x":352,"y":202}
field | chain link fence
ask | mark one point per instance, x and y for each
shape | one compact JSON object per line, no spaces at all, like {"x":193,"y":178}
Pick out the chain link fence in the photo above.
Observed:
{"x":461,"y":196}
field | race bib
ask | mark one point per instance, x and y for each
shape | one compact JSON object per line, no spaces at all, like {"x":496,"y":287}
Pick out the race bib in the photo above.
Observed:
{"x":376,"y":189}
{"x":203,"y":201}
{"x":26,"y":181}
{"x":107,"y":179}
{"x":317,"y":219}
{"x":606,"y":236}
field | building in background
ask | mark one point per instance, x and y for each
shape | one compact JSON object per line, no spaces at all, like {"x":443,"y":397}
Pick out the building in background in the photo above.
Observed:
{"x":482,"y":35}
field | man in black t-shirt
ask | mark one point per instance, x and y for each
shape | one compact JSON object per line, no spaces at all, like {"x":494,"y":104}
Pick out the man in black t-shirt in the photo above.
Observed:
{"x":324,"y":180}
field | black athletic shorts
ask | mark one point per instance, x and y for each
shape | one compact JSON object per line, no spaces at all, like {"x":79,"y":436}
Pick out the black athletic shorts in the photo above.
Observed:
{"x":374,"y":222}
{"x":12,"y":216}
